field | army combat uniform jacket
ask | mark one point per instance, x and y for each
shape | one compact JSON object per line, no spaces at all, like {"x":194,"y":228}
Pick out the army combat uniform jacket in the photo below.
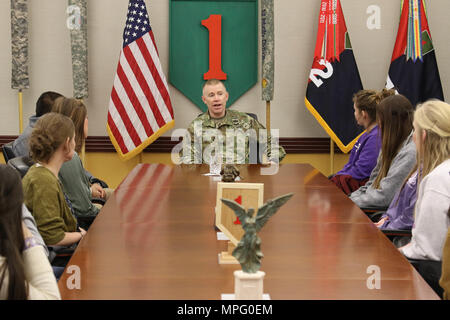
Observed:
{"x":238,"y":137}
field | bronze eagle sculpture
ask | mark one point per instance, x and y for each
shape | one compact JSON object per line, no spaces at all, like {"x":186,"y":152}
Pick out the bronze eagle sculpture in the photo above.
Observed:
{"x":248,"y":251}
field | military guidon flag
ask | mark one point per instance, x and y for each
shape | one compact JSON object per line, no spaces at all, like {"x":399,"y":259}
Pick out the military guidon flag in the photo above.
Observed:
{"x":413,"y":71}
{"x":334,"y":78}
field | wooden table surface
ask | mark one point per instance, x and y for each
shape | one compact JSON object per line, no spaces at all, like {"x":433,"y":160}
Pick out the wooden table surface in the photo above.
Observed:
{"x":155,"y":239}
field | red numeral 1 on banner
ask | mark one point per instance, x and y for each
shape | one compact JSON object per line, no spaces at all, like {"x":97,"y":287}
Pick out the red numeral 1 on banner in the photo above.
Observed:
{"x":214,"y":26}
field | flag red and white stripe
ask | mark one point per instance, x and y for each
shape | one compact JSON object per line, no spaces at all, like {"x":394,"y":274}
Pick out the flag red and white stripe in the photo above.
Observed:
{"x":140,"y":109}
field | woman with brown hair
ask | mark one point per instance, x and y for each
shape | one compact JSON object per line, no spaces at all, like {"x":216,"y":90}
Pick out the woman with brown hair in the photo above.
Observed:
{"x":52,"y":143}
{"x":73,"y":176}
{"x":25,"y":272}
{"x":364,"y":154}
{"x":397,"y":157}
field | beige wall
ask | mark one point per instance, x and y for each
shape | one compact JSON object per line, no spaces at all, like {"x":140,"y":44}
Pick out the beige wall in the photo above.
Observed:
{"x":296,"y":27}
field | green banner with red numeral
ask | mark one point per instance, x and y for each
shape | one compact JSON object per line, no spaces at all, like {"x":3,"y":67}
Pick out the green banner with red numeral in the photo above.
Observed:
{"x":213,"y":39}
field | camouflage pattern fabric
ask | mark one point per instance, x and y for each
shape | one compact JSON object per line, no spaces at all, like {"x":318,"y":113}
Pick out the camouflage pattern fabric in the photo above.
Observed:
{"x":268,"y":49}
{"x":79,"y":46}
{"x":19,"y":44}
{"x":235,"y":137}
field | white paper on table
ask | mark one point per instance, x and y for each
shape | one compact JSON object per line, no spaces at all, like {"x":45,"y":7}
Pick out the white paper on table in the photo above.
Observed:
{"x":222,"y":236}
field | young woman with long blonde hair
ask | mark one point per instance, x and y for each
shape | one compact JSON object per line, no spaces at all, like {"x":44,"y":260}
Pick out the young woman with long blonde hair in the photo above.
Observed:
{"x":431,"y":220}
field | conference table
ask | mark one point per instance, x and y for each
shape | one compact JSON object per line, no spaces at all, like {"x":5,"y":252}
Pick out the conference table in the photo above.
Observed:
{"x":155,"y":239}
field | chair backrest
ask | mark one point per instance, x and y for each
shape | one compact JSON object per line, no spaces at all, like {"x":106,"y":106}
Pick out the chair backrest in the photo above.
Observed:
{"x":253,"y":115}
{"x":8,"y":152}
{"x":21,"y":164}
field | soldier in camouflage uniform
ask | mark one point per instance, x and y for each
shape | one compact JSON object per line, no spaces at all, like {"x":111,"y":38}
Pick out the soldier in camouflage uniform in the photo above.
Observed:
{"x":231,"y":135}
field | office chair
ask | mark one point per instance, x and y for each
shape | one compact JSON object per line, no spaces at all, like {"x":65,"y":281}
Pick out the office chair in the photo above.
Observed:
{"x":374,"y":213}
{"x":431,"y":272}
{"x":102,"y":183}
{"x":59,"y":256}
{"x":253,"y":115}
{"x":21,"y":164}
{"x":8,"y":152}
{"x":398,"y":237}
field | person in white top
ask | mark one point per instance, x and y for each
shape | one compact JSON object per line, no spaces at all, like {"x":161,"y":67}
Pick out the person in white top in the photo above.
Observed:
{"x":25,"y":272}
{"x":431,"y":219}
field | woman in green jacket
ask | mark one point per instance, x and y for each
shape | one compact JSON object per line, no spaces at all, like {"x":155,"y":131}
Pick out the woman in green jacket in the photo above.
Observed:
{"x":52,"y":143}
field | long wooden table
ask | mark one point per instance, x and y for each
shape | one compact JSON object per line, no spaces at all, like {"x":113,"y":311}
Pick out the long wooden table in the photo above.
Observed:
{"x":155,"y":239}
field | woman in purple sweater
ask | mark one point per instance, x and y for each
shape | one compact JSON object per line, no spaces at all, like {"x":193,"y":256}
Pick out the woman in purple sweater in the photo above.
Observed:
{"x":400,"y":214}
{"x":364,"y":154}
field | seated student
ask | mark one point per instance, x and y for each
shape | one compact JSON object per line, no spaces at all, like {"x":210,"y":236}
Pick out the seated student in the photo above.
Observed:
{"x":43,"y":105}
{"x":75,"y":183}
{"x":431,"y":220}
{"x":397,"y":156}
{"x":364,"y":154}
{"x":25,"y":272}
{"x":209,"y":133}
{"x":431,"y":216}
{"x":30,"y":223}
{"x":400,"y":214}
{"x":52,"y":142}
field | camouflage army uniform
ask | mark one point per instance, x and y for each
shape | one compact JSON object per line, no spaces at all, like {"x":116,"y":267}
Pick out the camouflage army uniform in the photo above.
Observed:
{"x":234,"y":136}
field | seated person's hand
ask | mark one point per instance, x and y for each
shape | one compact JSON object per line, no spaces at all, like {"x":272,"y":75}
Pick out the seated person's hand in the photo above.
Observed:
{"x":97,"y":191}
{"x":83,"y":232}
{"x":381,"y":222}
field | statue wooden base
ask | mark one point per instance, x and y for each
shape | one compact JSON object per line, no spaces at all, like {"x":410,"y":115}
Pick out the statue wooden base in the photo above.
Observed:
{"x":248,"y":286}
{"x":226,"y":257}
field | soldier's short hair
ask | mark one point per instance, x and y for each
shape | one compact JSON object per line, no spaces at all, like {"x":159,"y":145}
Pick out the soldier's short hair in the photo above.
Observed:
{"x":212,"y":82}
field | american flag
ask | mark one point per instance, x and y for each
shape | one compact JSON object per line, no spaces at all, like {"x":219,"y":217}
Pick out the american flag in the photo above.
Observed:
{"x":140,"y":109}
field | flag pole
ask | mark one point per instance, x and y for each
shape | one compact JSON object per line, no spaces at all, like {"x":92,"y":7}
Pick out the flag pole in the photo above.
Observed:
{"x":331,"y":156}
{"x":267,"y":55}
{"x":20,"y":96}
